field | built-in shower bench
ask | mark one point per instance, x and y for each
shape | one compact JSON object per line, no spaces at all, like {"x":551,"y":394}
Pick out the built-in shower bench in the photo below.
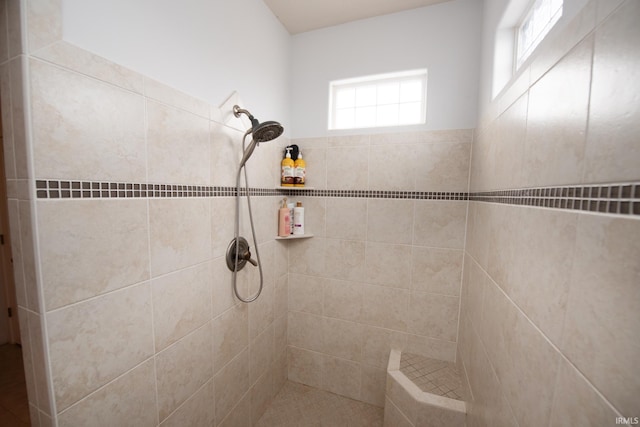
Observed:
{"x":423,"y":392}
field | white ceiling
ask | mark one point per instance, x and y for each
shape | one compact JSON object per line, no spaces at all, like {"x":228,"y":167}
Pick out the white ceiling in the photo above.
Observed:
{"x":299,"y":16}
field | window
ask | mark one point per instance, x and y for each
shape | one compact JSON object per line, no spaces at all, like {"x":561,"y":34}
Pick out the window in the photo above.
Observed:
{"x":537,"y":23}
{"x":392,"y":99}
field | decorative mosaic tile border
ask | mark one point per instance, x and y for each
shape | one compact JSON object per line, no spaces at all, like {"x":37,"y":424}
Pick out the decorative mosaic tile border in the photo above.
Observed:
{"x":620,"y":199}
{"x":60,"y":189}
{"x":373,"y":194}
{"x":56,"y":189}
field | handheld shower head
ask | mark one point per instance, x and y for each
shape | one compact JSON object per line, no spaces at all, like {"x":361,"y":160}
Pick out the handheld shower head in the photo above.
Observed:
{"x":260,"y":132}
{"x":267,"y":131}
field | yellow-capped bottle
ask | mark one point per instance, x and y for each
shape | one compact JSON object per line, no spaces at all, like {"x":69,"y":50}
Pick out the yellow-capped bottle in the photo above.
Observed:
{"x":288,"y":172}
{"x":300,"y":171}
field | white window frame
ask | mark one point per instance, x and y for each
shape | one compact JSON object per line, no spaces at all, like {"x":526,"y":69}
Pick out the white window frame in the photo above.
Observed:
{"x":544,"y":23}
{"x":377,"y":80}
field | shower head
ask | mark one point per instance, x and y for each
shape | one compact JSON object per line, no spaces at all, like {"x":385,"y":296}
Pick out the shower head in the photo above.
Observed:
{"x":267,"y":131}
{"x":260,"y":132}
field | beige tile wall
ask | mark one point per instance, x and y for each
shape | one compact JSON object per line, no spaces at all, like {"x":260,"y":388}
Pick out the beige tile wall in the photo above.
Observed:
{"x":547,"y":297}
{"x":13,"y":65}
{"x":548,"y":318}
{"x":127,"y":303}
{"x":378,"y":273}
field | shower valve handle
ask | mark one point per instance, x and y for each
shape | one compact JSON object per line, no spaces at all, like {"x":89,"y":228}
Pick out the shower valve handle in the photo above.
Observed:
{"x":238,"y":254}
{"x":247,"y":257}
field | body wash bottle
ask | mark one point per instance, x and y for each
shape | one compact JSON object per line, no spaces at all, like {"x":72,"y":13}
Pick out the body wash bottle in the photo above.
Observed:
{"x":300,"y":168}
{"x":287,"y":170}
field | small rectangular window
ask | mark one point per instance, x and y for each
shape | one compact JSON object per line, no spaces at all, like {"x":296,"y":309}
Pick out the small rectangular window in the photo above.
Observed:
{"x":538,"y":21}
{"x":392,"y":99}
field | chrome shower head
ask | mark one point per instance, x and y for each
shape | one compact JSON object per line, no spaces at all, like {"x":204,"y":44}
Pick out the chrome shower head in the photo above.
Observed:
{"x":260,"y":132}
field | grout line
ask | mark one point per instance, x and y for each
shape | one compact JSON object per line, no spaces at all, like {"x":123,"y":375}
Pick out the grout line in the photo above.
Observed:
{"x":96,"y":297}
{"x":149,"y":257}
{"x":187,"y":400}
{"x":108,"y":383}
{"x":493,"y":369}
{"x":587,"y":125}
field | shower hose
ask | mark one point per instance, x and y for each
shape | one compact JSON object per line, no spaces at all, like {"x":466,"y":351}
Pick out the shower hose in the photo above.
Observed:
{"x":237,"y":231}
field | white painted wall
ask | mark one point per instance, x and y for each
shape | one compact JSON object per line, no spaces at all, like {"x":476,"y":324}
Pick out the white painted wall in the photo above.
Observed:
{"x":207,"y":48}
{"x":445,"y":38}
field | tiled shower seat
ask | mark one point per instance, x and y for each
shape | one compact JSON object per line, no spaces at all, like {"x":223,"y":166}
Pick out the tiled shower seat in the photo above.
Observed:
{"x":423,"y":392}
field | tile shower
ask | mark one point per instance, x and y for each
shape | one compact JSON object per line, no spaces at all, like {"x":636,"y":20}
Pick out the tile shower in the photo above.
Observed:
{"x":496,"y":260}
{"x":384,"y":267}
{"x":550,"y":284}
{"x":129,"y":298}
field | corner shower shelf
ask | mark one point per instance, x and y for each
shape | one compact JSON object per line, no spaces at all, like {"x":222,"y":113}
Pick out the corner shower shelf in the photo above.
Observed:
{"x":295,"y":236}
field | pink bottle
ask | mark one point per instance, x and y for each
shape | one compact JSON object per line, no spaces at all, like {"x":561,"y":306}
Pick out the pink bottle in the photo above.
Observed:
{"x":284,"y":220}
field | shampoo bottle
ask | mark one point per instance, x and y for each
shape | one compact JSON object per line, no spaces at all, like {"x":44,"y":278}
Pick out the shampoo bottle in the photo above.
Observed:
{"x":298,"y":219}
{"x":287,"y":170}
{"x":300,"y":171}
{"x":284,"y":220}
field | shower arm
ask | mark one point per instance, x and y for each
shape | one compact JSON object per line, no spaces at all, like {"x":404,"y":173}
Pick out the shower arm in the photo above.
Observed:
{"x":237,"y":111}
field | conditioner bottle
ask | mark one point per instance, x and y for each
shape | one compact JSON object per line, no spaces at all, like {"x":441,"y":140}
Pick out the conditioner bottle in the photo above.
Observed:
{"x":298,"y":219}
